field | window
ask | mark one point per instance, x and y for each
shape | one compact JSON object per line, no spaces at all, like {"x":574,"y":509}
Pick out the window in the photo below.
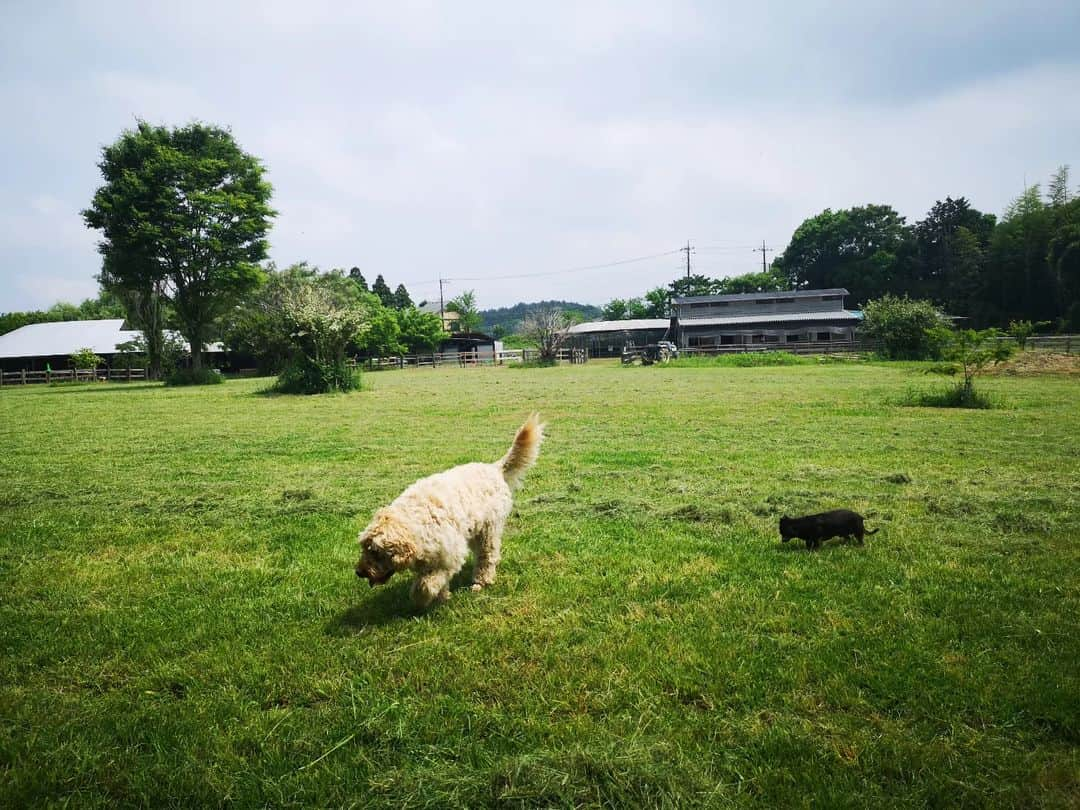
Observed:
{"x":824,"y":337}
{"x":794,"y":338}
{"x":727,"y":340}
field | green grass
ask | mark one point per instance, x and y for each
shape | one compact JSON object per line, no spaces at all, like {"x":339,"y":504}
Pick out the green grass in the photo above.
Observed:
{"x":742,"y":360}
{"x":181,"y":625}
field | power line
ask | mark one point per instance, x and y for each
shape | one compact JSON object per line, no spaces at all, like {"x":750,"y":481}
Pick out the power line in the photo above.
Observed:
{"x":722,"y":248}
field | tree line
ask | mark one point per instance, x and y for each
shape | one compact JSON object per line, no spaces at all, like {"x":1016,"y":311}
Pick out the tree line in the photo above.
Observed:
{"x":1023,"y":266}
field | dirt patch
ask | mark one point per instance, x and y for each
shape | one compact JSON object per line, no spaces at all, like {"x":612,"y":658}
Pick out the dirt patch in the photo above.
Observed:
{"x":1032,"y":363}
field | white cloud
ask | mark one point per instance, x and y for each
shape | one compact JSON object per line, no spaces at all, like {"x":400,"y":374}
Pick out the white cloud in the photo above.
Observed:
{"x":420,"y":140}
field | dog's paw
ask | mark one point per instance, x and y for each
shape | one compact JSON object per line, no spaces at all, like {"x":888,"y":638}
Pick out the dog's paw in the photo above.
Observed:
{"x":476,"y":586}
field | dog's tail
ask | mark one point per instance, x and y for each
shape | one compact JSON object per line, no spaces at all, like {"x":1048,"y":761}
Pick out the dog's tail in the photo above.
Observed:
{"x":523,"y":452}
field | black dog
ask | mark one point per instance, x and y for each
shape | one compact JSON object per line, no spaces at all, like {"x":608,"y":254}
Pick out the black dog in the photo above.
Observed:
{"x":816,"y":528}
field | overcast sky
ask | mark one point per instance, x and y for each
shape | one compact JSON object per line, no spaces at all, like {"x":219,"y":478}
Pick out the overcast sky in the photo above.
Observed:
{"x":473,"y":141}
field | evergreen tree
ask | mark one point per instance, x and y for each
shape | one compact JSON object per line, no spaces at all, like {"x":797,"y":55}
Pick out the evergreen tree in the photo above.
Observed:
{"x":383,"y":292}
{"x":358,"y":277}
{"x":401,"y":298}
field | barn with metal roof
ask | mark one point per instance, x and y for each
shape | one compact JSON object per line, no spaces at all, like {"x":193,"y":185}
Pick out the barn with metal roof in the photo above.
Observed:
{"x":38,"y":345}
{"x":793,"y":316}
{"x":711,"y":321}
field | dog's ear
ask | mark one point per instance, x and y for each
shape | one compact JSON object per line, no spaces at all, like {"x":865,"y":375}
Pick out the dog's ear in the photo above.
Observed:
{"x":396,"y":541}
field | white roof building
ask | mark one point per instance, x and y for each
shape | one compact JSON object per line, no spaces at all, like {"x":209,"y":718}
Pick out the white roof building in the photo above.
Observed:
{"x":63,"y":338}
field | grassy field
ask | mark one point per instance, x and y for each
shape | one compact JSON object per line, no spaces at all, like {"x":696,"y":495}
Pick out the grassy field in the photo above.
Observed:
{"x":181,"y":625}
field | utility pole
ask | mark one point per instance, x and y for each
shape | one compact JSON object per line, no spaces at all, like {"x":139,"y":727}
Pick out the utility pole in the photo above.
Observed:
{"x":687,"y":250}
{"x":442,"y":306}
{"x":763,"y":250}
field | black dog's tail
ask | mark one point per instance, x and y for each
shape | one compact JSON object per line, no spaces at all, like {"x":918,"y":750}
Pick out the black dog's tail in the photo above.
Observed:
{"x":875,"y":531}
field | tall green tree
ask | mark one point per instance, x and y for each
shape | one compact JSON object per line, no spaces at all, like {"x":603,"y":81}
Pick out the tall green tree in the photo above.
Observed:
{"x":855,"y":248}
{"x":1020,"y":283}
{"x":383,"y":291}
{"x":420,"y":331}
{"x":1063,"y":256}
{"x":685,"y":286}
{"x":947,"y":262}
{"x":468,"y":315}
{"x":772,"y":280}
{"x":187,"y":209}
{"x":1058,"y":191}
{"x":401,"y":298}
{"x":358,"y":277}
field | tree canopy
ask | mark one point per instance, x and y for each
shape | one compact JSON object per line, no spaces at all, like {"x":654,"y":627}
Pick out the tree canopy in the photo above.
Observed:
{"x":183,"y":213}
{"x":468,"y":315}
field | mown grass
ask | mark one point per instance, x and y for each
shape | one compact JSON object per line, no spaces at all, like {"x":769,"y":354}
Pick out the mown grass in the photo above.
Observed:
{"x":181,"y":625}
{"x":741,"y":360}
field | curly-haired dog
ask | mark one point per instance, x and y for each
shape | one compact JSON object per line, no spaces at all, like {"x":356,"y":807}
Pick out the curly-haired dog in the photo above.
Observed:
{"x":432,"y":525}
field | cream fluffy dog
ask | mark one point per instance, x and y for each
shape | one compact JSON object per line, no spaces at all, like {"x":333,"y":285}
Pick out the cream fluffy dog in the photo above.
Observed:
{"x":432,"y":525}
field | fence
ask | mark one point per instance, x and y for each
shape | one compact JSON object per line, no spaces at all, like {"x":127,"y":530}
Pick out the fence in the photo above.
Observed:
{"x":1063,"y":344}
{"x":25,"y":377}
{"x":802,"y":347}
{"x":467,"y":359}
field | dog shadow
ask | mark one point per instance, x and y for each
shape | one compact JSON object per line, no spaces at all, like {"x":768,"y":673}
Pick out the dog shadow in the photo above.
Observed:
{"x":391,"y":603}
{"x":795,"y":547}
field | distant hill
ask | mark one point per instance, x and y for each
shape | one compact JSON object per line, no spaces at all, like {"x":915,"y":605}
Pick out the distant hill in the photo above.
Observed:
{"x":510,"y":317}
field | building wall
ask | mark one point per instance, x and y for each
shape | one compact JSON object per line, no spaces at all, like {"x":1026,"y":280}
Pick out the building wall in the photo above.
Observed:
{"x":611,"y":344}
{"x":710,"y":336}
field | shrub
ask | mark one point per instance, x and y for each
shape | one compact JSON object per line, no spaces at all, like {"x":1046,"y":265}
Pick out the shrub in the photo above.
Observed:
{"x":955,"y":396}
{"x":194,"y":376}
{"x":538,"y":363}
{"x":969,"y":352}
{"x":303,"y":375}
{"x":1022,"y":330}
{"x":85,"y":359}
{"x":904,"y":327}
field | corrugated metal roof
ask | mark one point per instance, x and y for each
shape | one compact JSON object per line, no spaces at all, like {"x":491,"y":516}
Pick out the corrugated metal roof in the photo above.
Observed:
{"x":66,"y":337}
{"x":628,"y":325}
{"x":780,"y":317}
{"x":761,"y":296}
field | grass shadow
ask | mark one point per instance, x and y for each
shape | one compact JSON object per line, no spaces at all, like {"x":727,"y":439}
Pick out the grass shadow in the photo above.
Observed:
{"x":388,"y":604}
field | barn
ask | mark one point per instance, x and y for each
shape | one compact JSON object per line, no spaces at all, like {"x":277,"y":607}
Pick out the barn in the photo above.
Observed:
{"x":608,"y":338}
{"x":714,"y":321}
{"x":50,"y":345}
{"x":794,"y":316}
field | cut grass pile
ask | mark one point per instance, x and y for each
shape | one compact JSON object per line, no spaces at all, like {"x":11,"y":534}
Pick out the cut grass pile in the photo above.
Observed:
{"x":181,"y":625}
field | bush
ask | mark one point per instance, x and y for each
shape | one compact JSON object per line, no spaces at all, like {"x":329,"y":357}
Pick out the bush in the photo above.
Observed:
{"x":194,"y":376}
{"x":538,"y":363}
{"x":956,"y":396}
{"x":303,"y":375}
{"x":85,"y":359}
{"x":903,"y":327}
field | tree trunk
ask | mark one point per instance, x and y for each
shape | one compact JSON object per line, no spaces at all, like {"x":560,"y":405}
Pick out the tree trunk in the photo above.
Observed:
{"x":196,"y":352}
